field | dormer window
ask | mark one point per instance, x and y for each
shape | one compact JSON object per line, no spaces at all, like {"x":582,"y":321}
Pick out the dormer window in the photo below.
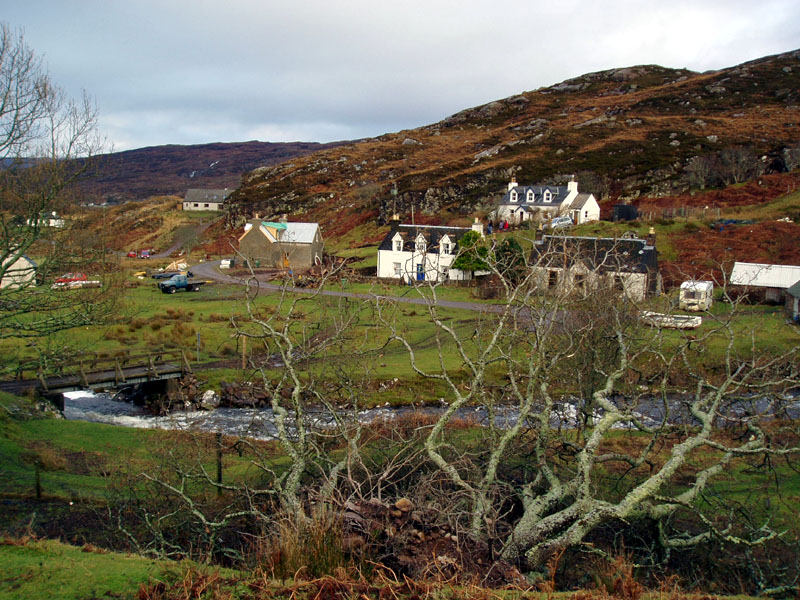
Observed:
{"x":513,"y":195}
{"x":445,"y":245}
{"x":420,"y":244}
{"x":529,"y":196}
{"x":548,"y":196}
{"x":398,"y":245}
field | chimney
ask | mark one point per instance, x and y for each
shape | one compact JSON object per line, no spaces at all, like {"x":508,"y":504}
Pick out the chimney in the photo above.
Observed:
{"x":394,"y":222}
{"x":512,"y":184}
{"x":478,"y":226}
{"x":650,"y":240}
{"x":572,"y":185}
{"x":284,"y":218}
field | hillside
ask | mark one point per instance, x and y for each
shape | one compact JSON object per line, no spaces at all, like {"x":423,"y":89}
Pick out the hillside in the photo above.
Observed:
{"x":172,"y":169}
{"x":626,"y":134}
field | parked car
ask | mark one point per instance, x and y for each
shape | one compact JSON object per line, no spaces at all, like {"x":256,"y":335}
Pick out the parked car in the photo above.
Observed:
{"x":144,"y":254}
{"x":72,"y":281}
{"x":561,"y":223}
{"x":132,"y":254}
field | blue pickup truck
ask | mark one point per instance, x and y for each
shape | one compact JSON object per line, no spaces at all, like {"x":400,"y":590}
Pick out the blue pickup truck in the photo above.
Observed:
{"x":179,"y":282}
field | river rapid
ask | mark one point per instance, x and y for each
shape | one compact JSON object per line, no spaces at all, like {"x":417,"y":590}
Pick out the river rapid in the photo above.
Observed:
{"x":259,"y":423}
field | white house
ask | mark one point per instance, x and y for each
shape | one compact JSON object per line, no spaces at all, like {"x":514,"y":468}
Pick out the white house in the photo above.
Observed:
{"x":197,"y":199}
{"x":774,"y":280}
{"x":421,"y":252}
{"x":541,"y":202}
{"x":48,"y":220}
{"x":17,"y":272}
{"x":575,"y":265}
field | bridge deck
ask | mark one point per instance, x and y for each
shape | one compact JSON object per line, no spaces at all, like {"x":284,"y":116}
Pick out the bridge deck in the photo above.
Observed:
{"x":96,"y":379}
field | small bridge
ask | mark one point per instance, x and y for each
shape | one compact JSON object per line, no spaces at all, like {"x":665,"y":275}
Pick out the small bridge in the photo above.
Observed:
{"x":95,"y":372}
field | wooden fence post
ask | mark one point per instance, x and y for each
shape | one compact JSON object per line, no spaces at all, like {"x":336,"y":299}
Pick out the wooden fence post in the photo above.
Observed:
{"x":219,"y":462}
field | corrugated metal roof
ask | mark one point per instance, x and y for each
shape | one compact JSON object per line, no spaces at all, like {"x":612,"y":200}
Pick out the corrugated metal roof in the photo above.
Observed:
{"x":300,"y":233}
{"x":763,"y":275}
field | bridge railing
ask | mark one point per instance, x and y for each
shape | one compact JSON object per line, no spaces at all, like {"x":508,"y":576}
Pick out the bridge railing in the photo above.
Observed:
{"x":85,"y":364}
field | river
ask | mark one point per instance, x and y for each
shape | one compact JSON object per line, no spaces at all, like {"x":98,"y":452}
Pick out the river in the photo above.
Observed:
{"x":258,"y":423}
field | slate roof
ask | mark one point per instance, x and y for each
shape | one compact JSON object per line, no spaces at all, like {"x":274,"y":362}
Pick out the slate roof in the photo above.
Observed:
{"x":432,"y":234}
{"x":601,"y":254}
{"x":580,"y":201}
{"x":204,"y":196}
{"x":560,"y":193}
{"x":794,"y":290}
{"x":764,"y":275}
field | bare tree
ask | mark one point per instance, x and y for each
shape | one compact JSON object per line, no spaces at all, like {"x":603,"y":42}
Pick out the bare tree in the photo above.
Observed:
{"x":570,"y":475}
{"x":700,"y":169}
{"x":46,"y":141}
{"x":588,"y":417}
{"x":737,"y":164}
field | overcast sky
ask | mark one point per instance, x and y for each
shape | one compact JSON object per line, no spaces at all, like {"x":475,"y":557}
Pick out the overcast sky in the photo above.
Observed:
{"x":197,"y":71}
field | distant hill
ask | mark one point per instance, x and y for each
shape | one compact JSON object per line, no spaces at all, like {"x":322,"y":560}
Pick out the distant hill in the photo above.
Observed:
{"x":626,"y":133}
{"x":172,"y":169}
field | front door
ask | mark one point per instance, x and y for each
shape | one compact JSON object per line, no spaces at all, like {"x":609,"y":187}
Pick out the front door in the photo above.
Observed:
{"x":420,"y":272}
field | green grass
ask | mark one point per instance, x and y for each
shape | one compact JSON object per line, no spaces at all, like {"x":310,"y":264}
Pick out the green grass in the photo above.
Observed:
{"x":786,"y":206}
{"x":50,"y":569}
{"x":81,"y":460}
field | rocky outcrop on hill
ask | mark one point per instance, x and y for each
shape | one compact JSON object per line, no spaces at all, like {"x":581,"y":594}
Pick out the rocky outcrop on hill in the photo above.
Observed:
{"x":633,"y":130}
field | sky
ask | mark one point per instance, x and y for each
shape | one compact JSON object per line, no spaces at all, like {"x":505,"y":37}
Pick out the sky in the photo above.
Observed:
{"x":199,"y":71}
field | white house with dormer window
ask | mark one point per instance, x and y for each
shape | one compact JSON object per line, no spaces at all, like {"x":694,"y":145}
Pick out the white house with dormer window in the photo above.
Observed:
{"x":543,"y":202}
{"x":421,"y":252}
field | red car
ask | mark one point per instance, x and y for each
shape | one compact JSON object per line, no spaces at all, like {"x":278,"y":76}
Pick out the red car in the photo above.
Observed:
{"x":132,"y":254}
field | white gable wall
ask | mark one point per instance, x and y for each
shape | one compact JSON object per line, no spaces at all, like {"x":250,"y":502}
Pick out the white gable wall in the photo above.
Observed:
{"x":435,"y":266}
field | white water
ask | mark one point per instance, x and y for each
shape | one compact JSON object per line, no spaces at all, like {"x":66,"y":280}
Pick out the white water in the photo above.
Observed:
{"x":258,"y":423}
{"x":102,"y":408}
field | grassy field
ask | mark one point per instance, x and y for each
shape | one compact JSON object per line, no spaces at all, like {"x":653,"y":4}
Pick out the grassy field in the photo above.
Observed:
{"x":32,"y":568}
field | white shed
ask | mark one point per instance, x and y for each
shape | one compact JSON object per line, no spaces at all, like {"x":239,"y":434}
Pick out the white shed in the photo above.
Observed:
{"x":695,"y":295}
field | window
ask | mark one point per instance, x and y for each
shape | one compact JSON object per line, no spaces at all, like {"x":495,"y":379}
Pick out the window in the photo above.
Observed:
{"x":548,"y":196}
{"x":420,"y":244}
{"x":586,"y":214}
{"x":580,"y":281}
{"x":205,"y":205}
{"x":398,"y":245}
{"x":445,"y":247}
{"x":196,"y":205}
{"x":397,"y":268}
{"x":552,"y":279}
{"x":619,"y":283}
{"x":529,"y":196}
{"x":513,"y":196}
